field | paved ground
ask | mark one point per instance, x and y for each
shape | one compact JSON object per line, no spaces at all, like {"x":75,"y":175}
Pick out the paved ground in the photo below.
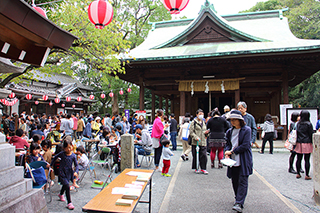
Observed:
{"x":271,"y":188}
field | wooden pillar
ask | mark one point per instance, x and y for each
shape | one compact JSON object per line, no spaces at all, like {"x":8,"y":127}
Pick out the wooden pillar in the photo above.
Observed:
{"x":216,"y":102}
{"x":141,"y":97}
{"x":160,"y":102}
{"x":210,"y":101}
{"x":172,"y":104}
{"x":167,"y":106}
{"x":182,"y":103}
{"x":153,"y":107}
{"x":189,"y":102}
{"x":285,"y":87}
{"x":236,"y":97}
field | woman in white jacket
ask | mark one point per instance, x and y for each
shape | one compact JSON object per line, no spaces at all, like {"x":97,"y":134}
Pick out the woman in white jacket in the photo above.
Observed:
{"x":268,"y":128}
{"x":184,"y":139}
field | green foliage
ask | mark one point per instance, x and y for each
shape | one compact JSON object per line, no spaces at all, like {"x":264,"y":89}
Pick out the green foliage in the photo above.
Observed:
{"x":263,"y":6}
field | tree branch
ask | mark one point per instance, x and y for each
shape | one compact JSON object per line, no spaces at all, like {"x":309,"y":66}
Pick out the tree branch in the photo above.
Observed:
{"x":14,"y":75}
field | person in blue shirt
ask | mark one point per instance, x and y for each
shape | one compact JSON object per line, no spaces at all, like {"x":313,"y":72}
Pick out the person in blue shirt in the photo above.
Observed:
{"x":37,"y":131}
{"x":87,"y":132}
{"x":318,"y":123}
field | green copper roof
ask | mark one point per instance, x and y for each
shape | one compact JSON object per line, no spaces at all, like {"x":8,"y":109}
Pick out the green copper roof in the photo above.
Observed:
{"x":268,"y":32}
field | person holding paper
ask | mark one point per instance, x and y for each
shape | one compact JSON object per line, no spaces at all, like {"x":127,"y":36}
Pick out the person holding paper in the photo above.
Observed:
{"x":238,"y":148}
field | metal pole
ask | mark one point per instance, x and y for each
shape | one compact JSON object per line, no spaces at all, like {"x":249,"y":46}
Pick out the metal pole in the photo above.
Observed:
{"x":210,"y":102}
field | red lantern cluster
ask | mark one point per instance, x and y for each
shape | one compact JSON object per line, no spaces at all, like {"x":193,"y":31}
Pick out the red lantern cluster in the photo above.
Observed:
{"x":68,"y":98}
{"x":79,"y":99}
{"x":9,"y":103}
{"x":28,"y":96}
{"x":175,"y":6}
{"x":100,"y":13}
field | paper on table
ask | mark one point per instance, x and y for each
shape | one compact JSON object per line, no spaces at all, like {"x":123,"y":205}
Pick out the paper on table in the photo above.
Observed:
{"x":123,"y":190}
{"x":144,"y":174}
{"x":132,"y":186}
{"x":139,"y":183}
{"x":228,"y":162}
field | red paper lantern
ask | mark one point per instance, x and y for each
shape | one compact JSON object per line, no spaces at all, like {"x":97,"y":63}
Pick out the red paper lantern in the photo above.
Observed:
{"x":79,"y":99}
{"x":129,"y":90}
{"x":57,"y":100}
{"x":102,"y":95}
{"x":73,"y":106}
{"x":121,"y":92}
{"x":100,"y":13}
{"x":68,"y":98}
{"x":50,"y":103}
{"x":45,"y":97}
{"x":36,"y":102}
{"x":40,"y":10}
{"x":91,"y":97}
{"x":63,"y":105}
{"x":28,"y":96}
{"x":12,"y":95}
{"x":111,"y":94}
{"x":175,"y":6}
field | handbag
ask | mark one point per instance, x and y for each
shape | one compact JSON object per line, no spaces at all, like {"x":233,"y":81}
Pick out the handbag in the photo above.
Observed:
{"x":293,"y":135}
{"x":185,"y":133}
{"x":275,"y":134}
{"x":288,"y":145}
{"x":38,"y":175}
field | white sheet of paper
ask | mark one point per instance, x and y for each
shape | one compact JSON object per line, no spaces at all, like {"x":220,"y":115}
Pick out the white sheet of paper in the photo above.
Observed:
{"x":144,"y":174}
{"x":228,"y":162}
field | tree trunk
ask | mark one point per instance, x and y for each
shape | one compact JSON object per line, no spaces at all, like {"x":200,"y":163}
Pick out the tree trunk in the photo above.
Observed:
{"x":115,"y":106}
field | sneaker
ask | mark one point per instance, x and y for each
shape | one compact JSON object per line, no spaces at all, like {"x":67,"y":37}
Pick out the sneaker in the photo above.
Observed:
{"x":237,"y":207}
{"x":162,"y":174}
{"x":307,"y":178}
{"x":70,"y":206}
{"x":61,"y":197}
{"x":167,"y":175}
{"x":183,"y":157}
{"x":204,"y":172}
{"x":196,"y":171}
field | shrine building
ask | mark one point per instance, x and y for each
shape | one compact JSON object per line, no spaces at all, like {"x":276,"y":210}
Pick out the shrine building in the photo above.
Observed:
{"x":212,"y":61}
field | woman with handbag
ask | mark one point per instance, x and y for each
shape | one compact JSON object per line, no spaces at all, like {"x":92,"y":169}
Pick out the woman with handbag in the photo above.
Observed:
{"x":157,"y":132}
{"x":198,"y":132}
{"x":304,"y":145}
{"x":268,"y":128}
{"x":293,"y":126}
{"x":239,"y":149}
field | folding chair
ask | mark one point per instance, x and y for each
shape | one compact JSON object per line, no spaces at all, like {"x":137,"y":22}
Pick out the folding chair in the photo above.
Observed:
{"x":105,"y":162}
{"x":46,"y":186}
{"x":149,"y":159}
{"x":90,"y":168}
{"x":109,"y":178}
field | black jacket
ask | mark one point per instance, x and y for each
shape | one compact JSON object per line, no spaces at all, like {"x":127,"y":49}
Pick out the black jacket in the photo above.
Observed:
{"x":304,"y":132}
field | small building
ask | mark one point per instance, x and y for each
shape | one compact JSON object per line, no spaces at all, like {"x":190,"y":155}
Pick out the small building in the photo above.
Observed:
{"x":54,"y":86}
{"x":212,"y":60}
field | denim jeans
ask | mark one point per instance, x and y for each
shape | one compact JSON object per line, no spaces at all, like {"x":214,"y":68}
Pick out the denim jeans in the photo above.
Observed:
{"x":173,"y":136}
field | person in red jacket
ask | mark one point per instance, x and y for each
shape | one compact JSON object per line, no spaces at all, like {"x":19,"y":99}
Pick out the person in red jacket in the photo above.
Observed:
{"x":17,"y":141}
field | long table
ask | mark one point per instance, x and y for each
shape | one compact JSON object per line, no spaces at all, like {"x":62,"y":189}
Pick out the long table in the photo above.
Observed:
{"x":105,"y":201}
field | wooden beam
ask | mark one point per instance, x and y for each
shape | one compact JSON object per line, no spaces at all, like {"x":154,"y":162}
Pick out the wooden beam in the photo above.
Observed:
{"x":141,"y":95}
{"x":285,"y":87}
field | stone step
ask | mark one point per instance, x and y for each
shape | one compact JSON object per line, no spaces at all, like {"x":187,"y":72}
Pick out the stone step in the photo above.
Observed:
{"x":33,"y":201}
{"x":11,"y":176}
{"x":14,"y":191}
{"x":7,"y":155}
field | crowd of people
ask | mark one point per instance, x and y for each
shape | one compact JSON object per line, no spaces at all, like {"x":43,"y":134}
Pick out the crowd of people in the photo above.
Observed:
{"x":230,"y":135}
